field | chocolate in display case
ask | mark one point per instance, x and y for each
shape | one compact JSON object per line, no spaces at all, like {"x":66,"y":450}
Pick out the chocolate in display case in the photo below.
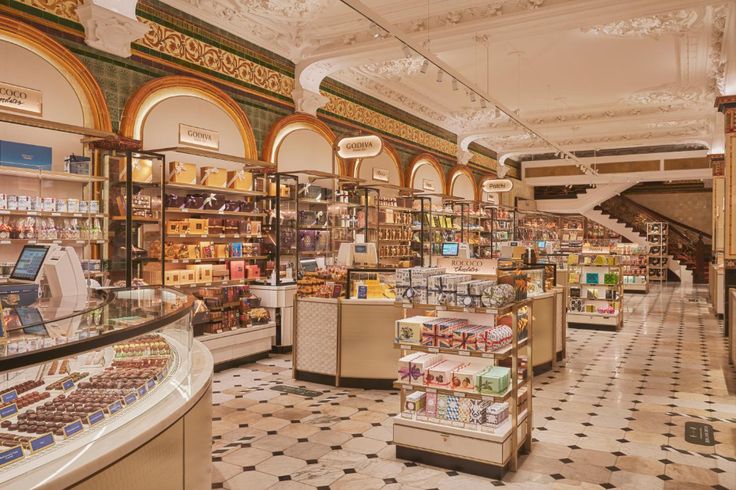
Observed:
{"x":81,"y":373}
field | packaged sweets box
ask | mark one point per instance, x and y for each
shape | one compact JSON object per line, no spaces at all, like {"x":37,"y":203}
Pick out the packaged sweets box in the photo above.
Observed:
{"x":494,"y":380}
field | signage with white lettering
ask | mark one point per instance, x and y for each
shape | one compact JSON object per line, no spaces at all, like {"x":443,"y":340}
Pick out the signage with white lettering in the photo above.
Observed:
{"x":498,"y":185}
{"x":21,"y":99}
{"x":428,"y":185}
{"x":199,"y":137}
{"x":479,"y":267}
{"x":380,"y":174}
{"x":359,"y":146}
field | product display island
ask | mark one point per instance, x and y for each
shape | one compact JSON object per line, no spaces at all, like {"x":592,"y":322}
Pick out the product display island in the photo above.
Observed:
{"x":108,"y":390}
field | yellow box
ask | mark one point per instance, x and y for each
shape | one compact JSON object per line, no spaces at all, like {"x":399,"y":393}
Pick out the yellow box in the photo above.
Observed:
{"x":202,"y":272}
{"x":193,"y":251}
{"x":213,"y":177}
{"x":171,"y":277}
{"x":177,"y":227}
{"x":182,"y":173}
{"x":197,"y":226}
{"x":187,"y":276}
{"x":221,"y":250}
{"x":240,"y":180}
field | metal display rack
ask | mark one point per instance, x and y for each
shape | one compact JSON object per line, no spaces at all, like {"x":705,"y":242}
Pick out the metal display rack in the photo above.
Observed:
{"x":658,"y":260}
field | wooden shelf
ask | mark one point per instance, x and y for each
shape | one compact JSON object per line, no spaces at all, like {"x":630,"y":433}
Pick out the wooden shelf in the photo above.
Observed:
{"x":52,"y":214}
{"x":501,"y":353}
{"x":237,"y":282}
{"x":218,"y":236}
{"x":70,"y":241}
{"x":28,"y":173}
{"x":213,"y":259}
{"x":214,"y":212}
{"x":460,"y":309}
{"x":214,"y":190}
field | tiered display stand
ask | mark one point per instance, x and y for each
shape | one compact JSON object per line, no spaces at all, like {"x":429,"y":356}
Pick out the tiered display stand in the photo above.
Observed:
{"x":657,"y":265}
{"x":470,"y":447}
{"x":634,"y":260}
{"x":583,"y":304}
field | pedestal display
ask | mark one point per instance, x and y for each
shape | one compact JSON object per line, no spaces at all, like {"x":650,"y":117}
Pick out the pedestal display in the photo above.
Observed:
{"x":595,"y":291}
{"x":108,"y":400}
{"x":465,"y":372}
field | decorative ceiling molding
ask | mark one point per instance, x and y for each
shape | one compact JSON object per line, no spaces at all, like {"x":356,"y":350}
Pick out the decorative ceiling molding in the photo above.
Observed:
{"x":655,"y":26}
{"x":393,"y":70}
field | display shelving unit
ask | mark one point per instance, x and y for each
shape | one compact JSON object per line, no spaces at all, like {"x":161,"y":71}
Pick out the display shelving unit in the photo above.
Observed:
{"x":572,"y":230}
{"x":536,"y":227}
{"x":434,"y":224}
{"x":84,"y":230}
{"x":598,"y":234}
{"x":589,"y":291}
{"x":657,"y":261}
{"x":394,"y":225}
{"x":634,"y":260}
{"x":468,"y":447}
{"x":502,"y":228}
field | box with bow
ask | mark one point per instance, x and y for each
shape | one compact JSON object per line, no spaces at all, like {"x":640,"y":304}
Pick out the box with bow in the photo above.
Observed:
{"x":240,"y":180}
{"x":182,"y":173}
{"x":213,"y":176}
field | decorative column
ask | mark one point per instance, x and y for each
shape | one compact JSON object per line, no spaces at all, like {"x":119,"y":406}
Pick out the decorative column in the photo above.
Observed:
{"x":727,"y":105}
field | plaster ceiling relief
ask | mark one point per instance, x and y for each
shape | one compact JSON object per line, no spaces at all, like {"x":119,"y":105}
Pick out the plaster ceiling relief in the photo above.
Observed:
{"x":670,"y":97}
{"x":716,"y":61}
{"x":655,"y":26}
{"x":393,"y":70}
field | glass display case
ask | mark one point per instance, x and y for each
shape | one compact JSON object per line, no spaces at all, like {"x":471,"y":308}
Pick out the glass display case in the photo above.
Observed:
{"x":78,"y":375}
{"x":539,"y":277}
{"x":371,"y":284}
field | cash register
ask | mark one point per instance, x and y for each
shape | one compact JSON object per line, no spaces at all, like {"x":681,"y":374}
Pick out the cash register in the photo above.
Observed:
{"x":455,"y":249}
{"x":59,"y":265}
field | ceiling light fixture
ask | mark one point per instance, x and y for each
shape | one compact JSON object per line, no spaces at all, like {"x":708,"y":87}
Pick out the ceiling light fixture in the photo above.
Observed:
{"x":439,"y":76}
{"x":407,"y":51}
{"x":454,"y":85}
{"x":425,"y":66}
{"x":472,"y":96}
{"x":483,"y":103}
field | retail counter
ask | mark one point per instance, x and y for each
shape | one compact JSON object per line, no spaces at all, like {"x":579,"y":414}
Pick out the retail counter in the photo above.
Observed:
{"x":346,"y":342}
{"x":350,"y":342}
{"x":107,"y":391}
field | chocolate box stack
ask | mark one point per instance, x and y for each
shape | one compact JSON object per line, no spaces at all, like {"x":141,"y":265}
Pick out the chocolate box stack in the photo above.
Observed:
{"x":442,"y":288}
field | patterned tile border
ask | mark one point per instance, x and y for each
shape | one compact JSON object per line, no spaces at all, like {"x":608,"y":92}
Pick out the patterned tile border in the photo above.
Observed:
{"x":165,"y":41}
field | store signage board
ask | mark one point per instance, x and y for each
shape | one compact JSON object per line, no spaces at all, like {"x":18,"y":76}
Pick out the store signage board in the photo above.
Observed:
{"x":498,"y":185}
{"x":428,"y":185}
{"x":359,"y":146}
{"x":481,"y":267}
{"x":380,"y":174}
{"x":199,"y":137}
{"x":21,"y":99}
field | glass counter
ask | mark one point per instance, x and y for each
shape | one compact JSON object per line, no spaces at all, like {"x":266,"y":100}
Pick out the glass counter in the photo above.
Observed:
{"x":80,"y":377}
{"x":372,"y":284}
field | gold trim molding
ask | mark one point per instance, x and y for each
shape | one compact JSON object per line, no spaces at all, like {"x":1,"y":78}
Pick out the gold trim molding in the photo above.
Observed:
{"x":454,"y":173}
{"x":393,"y":155}
{"x":418,"y":162}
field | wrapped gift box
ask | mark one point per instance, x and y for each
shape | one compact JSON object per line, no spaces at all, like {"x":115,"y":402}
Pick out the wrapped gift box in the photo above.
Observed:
{"x":237,"y":270}
{"x":415,"y":401}
{"x":467,"y":337}
{"x":220,"y":272}
{"x":409,"y":330}
{"x":187,"y":276}
{"x":171,"y":278}
{"x":496,"y":414}
{"x":406,"y":372}
{"x":213,"y":176}
{"x":214,"y":226}
{"x":495,"y":338}
{"x":438,"y":332}
{"x":478,"y":411}
{"x":421,"y":365}
{"x":206,"y":250}
{"x":430,"y":405}
{"x":241,"y":180}
{"x":198,"y":226}
{"x":465,"y":405}
{"x":236,"y":249}
{"x":465,"y":378}
{"x":441,"y":288}
{"x":442,"y":406}
{"x":182,"y":173}
{"x":221,"y":250}
{"x":453,"y":408}
{"x":252,"y":271}
{"x":494,"y":380}
{"x":440,"y":374}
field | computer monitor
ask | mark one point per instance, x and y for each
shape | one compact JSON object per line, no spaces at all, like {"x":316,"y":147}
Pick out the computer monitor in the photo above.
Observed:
{"x":541,"y":245}
{"x":29,"y":264}
{"x":450,"y":249}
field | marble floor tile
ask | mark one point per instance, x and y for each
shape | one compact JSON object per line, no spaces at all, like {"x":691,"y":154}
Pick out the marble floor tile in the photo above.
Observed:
{"x":612,"y":415}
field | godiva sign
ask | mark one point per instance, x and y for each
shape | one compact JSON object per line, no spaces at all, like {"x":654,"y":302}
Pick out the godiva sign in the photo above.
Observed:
{"x":199,"y":137}
{"x":21,"y":99}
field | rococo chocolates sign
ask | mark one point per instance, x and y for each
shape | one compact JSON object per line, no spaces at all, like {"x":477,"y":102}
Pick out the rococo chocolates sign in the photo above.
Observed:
{"x":452,"y":265}
{"x":359,"y":146}
{"x":21,"y":99}
{"x":199,"y":137}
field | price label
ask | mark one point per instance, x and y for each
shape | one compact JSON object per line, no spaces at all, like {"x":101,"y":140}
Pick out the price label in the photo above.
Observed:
{"x":220,"y":211}
{"x":67,"y":384}
{"x":431,"y":390}
{"x":459,"y":394}
{"x":5,"y":242}
{"x":54,"y":241}
{"x":80,"y":241}
{"x":433,"y":349}
{"x":182,"y":235}
{"x":8,"y":411}
{"x":9,"y":397}
{"x":96,"y":417}
{"x":73,"y":428}
{"x":487,"y":355}
{"x":77,"y":215}
{"x":115,"y":407}
{"x":185,"y":261}
{"x":405,"y":347}
{"x":209,"y":283}
{"x":236,"y":236}
{"x":31,"y":242}
{"x":197,"y":261}
{"x":4,"y":211}
{"x":44,"y":441}
{"x":52,"y":214}
{"x":463,"y":353}
{"x":10,"y":455}
{"x":151,"y":384}
{"x":142,"y":390}
{"x":131,"y":398}
{"x":223,"y":236}
{"x":487,"y":398}
{"x":160,"y":377}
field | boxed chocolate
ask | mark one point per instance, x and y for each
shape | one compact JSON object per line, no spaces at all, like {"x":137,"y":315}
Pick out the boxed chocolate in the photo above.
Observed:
{"x":440,"y":374}
{"x":213,"y":176}
{"x":442,"y":288}
{"x":438,"y":332}
{"x":237,"y":270}
{"x":441,"y":406}
{"x":198,"y":226}
{"x":415,"y":401}
{"x":241,"y":180}
{"x":182,"y":173}
{"x":430,"y":405}
{"x":467,"y":337}
{"x":409,"y":330}
{"x":465,"y":378}
{"x":453,"y":409}
{"x":494,"y":380}
{"x":406,"y":374}
{"x":252,"y":271}
{"x":464,"y":408}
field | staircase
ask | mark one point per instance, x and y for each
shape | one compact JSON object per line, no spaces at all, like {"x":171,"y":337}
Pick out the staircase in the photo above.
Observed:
{"x":629,"y":218}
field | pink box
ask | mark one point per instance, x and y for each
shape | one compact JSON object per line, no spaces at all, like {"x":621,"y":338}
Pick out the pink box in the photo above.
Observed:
{"x":430,"y":407}
{"x":253,"y":271}
{"x":237,"y":270}
{"x":440,"y":374}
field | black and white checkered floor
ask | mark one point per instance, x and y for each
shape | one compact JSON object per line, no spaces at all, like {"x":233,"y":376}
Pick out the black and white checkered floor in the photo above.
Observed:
{"x":613,"y":416}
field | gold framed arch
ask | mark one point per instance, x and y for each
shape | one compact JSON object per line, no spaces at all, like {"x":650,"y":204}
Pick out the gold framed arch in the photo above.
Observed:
{"x":394,"y":158}
{"x":296,"y":122}
{"x":94,"y":107}
{"x":454,"y":173}
{"x":151,"y":93}
{"x":419,"y":161}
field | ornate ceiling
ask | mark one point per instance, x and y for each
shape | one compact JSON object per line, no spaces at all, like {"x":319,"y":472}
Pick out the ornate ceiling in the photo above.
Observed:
{"x":586,"y":73}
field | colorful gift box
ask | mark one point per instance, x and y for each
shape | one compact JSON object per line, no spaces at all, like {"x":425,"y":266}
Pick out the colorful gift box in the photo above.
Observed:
{"x":465,"y":405}
{"x":407,"y":374}
{"x":237,"y":270}
{"x":221,"y":250}
{"x":213,"y":176}
{"x":197,"y":226}
{"x":478,"y":411}
{"x":415,"y":401}
{"x":496,"y":414}
{"x":182,"y":173}
{"x":240,"y":180}
{"x":440,"y":374}
{"x":494,"y":380}
{"x":453,"y":408}
{"x":236,"y":249}
{"x":252,"y":271}
{"x":442,"y":406}
{"x":430,"y":405}
{"x":495,"y":338}
{"x":467,"y":337}
{"x":409,"y":330}
{"x":465,"y":378}
{"x":438,"y":332}
{"x":422,"y":364}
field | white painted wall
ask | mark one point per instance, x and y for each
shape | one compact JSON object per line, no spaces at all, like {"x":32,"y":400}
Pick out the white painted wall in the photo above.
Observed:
{"x":462,"y":187}
{"x":382,"y":161}
{"x":304,"y":149}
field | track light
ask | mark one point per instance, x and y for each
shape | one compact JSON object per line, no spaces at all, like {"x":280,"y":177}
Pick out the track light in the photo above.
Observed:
{"x":440,"y":73}
{"x":472,"y":96}
{"x":483,"y":103}
{"x":425,"y":66}
{"x":454,"y":85}
{"x":497,"y":113}
{"x":407,"y":51}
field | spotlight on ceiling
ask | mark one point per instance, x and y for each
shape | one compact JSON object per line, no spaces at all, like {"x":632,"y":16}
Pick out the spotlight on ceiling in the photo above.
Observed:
{"x":440,"y":74}
{"x":407,"y":51}
{"x":425,"y":66}
{"x":483,"y":103}
{"x":472,"y":96}
{"x":455,"y":85}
